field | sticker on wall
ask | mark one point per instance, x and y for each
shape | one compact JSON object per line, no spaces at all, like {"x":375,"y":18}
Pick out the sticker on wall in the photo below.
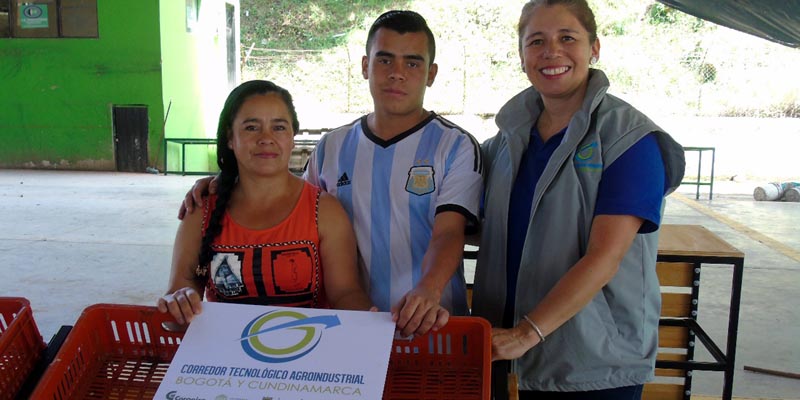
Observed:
{"x":33,"y":16}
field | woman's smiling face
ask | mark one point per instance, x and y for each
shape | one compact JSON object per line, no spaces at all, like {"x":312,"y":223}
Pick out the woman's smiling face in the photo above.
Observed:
{"x":261,"y":135}
{"x":556,"y":52}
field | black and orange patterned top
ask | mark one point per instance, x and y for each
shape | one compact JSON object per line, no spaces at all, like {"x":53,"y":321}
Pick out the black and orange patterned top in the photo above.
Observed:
{"x":278,"y":266}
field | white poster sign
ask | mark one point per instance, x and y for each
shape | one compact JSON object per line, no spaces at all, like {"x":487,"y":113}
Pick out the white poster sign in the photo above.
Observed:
{"x":237,"y":352}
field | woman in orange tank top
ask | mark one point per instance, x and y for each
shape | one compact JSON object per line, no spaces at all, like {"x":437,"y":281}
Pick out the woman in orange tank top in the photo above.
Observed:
{"x":267,"y":237}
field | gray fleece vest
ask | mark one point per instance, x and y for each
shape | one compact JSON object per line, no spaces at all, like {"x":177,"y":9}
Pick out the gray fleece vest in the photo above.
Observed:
{"x":613,"y":341}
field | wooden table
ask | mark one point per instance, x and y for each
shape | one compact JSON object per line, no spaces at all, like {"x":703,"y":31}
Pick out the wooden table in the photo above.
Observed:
{"x":697,"y":245}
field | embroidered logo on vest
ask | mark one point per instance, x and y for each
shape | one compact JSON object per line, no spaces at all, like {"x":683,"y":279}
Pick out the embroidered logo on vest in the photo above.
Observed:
{"x":420,"y":180}
{"x":587,"y":158}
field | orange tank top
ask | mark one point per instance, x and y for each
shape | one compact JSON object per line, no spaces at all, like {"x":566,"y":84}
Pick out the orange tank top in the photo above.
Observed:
{"x":278,"y":266}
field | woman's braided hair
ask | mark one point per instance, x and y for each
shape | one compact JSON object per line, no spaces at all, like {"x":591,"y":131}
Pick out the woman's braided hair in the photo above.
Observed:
{"x":226,"y":159}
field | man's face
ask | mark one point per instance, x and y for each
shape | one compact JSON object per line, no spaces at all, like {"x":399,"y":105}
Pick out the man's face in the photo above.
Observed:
{"x":398,"y":68}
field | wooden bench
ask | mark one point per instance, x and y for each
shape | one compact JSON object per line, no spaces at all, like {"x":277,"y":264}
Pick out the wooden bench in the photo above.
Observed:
{"x":300,"y":154}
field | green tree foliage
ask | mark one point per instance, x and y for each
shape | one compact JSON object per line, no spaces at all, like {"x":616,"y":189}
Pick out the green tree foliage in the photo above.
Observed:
{"x":306,"y":24}
{"x":659,"y":14}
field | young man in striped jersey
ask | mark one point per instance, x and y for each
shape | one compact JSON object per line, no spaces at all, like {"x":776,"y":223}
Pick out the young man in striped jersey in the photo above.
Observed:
{"x":409,"y":179}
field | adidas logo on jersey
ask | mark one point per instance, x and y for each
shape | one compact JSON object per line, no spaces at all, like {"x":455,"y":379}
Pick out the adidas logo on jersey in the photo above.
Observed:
{"x":343,"y":180}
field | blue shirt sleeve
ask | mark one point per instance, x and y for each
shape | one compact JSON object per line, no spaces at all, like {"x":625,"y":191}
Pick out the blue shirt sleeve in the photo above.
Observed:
{"x":634,"y":184}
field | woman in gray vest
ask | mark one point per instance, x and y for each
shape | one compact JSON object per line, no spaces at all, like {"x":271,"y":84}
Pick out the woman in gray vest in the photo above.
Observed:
{"x":575,"y":183}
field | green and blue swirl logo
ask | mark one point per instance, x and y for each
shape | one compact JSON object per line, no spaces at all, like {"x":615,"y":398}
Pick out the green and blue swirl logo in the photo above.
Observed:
{"x":587,"y":158}
{"x":284,"y":335}
{"x":586,"y":152}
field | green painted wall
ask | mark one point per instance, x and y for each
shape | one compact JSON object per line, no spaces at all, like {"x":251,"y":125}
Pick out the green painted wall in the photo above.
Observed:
{"x":181,"y":86}
{"x":55,"y":106}
{"x":57,"y":94}
{"x":195,"y":77}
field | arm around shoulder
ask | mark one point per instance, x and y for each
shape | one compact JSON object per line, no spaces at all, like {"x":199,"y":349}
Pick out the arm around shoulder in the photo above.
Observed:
{"x":194,"y":197}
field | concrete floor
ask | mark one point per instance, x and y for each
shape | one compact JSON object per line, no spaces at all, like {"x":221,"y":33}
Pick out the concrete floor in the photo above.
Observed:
{"x":71,"y":239}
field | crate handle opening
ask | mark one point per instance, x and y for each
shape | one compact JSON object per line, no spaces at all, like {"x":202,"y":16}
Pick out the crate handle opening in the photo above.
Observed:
{"x":146,"y":330}
{"x":115,"y":331}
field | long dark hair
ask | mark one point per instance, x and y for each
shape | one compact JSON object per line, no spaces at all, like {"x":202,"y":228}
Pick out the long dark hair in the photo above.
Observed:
{"x":226,"y":159}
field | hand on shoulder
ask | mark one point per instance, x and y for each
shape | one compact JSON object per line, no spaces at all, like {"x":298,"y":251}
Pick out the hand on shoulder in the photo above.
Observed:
{"x":194,"y":197}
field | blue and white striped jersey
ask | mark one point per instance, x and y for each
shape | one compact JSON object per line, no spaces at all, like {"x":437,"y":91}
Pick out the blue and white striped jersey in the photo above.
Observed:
{"x":392,"y":191}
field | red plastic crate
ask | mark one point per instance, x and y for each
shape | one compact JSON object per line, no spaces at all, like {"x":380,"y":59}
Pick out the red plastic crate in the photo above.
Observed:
{"x":21,"y":344}
{"x":113,"y":352}
{"x":97,"y":363}
{"x":451,"y":364}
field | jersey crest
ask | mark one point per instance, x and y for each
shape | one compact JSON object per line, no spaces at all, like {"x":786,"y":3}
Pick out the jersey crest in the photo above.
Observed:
{"x":420,"y":180}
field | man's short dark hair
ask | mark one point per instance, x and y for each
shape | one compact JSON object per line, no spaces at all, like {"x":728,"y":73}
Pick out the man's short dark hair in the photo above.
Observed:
{"x":403,"y":21}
